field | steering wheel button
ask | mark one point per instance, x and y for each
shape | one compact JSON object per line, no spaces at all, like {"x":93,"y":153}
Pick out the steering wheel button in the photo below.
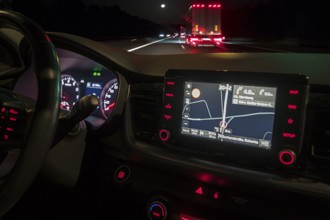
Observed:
{"x":12,"y":119}
{"x":9,"y":129}
{"x":13,"y":111}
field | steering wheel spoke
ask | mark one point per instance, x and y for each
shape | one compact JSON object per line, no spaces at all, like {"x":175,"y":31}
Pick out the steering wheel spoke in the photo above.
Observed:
{"x":8,"y":159}
{"x":27,"y":128}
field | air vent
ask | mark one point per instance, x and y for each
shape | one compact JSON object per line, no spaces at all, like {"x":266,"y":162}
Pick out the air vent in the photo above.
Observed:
{"x":146,"y":100}
{"x":321,"y":134}
{"x":319,"y":126}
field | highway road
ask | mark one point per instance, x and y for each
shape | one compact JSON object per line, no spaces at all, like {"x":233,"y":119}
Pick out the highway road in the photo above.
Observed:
{"x":163,"y":46}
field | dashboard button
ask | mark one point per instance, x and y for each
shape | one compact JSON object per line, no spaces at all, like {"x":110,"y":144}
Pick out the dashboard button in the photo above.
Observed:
{"x":122,"y":174}
{"x":287,"y":157}
{"x":157,"y":210}
{"x":168,"y":94}
{"x":294,"y":92}
{"x":289,"y":135}
{"x":292,"y":107}
{"x":13,"y":111}
{"x":168,"y":106}
{"x":290,"y":121}
{"x":170,"y":83}
{"x":216,"y":195}
{"x":164,"y":135}
{"x":199,"y":191}
{"x":167,"y":117}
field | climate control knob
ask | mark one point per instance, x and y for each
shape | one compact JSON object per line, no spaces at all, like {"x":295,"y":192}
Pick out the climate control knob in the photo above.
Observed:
{"x":157,"y":210}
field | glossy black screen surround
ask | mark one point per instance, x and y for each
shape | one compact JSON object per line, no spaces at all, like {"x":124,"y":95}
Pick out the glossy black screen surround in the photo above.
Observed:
{"x":282,"y":128}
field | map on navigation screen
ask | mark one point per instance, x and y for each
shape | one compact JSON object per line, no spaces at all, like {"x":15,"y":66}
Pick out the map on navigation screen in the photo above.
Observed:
{"x":238,"y":114}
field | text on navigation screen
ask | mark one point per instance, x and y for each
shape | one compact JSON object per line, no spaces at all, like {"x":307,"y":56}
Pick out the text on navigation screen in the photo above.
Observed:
{"x":239,"y":114}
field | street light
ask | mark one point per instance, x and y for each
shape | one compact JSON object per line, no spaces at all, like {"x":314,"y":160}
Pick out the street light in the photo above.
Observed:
{"x":162,"y":5}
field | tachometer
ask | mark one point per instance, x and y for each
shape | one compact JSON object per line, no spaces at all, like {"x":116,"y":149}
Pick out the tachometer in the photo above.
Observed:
{"x":108,"y":97}
{"x":69,"y":92}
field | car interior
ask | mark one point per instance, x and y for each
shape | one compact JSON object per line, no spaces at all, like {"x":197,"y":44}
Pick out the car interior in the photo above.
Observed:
{"x":91,"y":131}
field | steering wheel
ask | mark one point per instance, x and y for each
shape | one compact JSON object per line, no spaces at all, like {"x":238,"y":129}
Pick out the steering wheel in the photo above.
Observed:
{"x":40,"y":129}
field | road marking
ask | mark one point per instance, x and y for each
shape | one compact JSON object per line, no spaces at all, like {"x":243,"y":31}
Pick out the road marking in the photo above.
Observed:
{"x":145,"y":45}
{"x":183,"y":47}
{"x":133,"y":39}
{"x":262,"y":48}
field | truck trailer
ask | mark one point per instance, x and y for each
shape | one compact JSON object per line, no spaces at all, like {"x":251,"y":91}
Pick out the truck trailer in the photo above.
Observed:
{"x":205,"y":25}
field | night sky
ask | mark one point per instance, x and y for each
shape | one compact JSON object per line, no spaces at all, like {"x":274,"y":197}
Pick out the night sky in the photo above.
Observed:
{"x":306,"y":20}
{"x":174,"y":11}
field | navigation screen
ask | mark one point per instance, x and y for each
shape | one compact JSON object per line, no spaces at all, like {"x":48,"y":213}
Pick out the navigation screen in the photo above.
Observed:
{"x":238,"y":114}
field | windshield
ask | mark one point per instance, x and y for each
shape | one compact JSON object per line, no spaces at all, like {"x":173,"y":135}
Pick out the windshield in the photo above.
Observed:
{"x":156,"y":27}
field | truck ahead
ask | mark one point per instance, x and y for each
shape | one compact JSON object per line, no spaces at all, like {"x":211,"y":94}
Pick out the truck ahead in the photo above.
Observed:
{"x":205,"y":25}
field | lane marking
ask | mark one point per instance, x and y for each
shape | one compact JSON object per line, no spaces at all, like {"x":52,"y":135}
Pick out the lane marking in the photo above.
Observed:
{"x":183,"y":47}
{"x":145,"y":45}
{"x":262,"y":48}
{"x":134,"y":40}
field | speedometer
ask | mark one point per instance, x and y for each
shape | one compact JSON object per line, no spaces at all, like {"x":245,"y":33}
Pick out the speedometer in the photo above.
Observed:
{"x":108,"y":97}
{"x":69,"y":92}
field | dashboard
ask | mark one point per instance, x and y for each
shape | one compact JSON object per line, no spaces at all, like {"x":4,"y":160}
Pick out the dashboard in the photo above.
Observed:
{"x":232,"y":135}
{"x":80,"y":77}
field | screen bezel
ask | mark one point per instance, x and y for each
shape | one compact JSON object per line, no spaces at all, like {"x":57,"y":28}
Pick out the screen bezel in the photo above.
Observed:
{"x":203,"y":146}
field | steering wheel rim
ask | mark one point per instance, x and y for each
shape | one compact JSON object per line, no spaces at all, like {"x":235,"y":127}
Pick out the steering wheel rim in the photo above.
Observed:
{"x":44,"y":122}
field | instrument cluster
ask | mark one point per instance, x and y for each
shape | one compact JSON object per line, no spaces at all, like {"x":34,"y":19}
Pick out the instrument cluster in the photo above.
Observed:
{"x":76,"y":84}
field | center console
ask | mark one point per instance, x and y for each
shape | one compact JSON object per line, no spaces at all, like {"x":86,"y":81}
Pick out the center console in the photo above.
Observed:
{"x":255,"y":118}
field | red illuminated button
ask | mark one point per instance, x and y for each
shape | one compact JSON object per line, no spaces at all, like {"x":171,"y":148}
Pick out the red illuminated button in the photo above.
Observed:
{"x":170,"y":83}
{"x":294,"y":92}
{"x":169,"y":94}
{"x":122,"y":174}
{"x":292,"y":107}
{"x":168,"y":117}
{"x":216,"y":195}
{"x":164,"y":135}
{"x":12,"y":119}
{"x":168,"y":106}
{"x":199,"y":191}
{"x":289,"y":135}
{"x":9,"y":129}
{"x":290,"y":121}
{"x":287,"y":157}
{"x":184,"y":216}
{"x":13,"y":111}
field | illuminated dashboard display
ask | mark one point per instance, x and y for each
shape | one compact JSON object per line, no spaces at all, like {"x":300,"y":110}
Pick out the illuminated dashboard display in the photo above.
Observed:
{"x":230,"y":113}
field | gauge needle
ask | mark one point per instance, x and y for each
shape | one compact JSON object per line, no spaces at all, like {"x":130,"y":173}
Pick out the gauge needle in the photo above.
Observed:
{"x":110,"y":106}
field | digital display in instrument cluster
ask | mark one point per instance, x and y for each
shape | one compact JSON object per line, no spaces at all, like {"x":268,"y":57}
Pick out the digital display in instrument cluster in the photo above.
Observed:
{"x":77,"y":83}
{"x":94,"y":88}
